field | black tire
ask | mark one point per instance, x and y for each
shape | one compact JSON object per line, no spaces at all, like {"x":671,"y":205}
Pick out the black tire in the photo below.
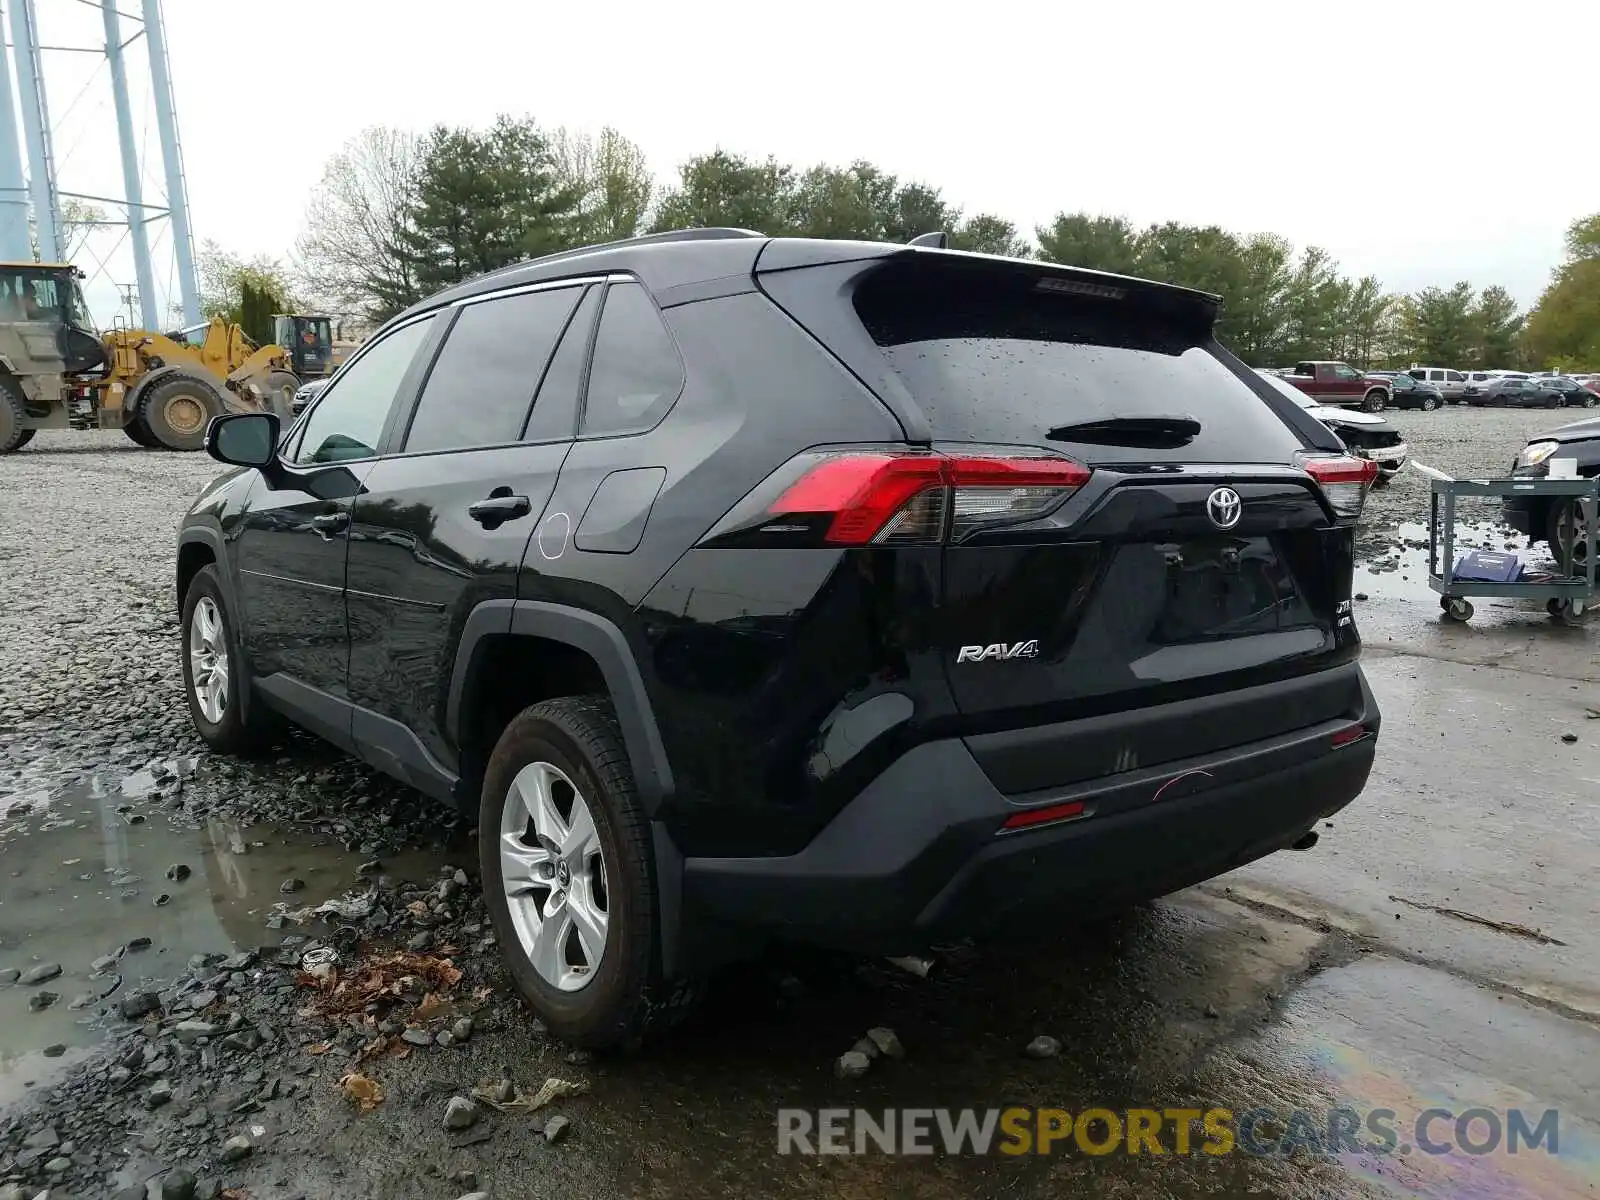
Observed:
{"x":13,"y":436}
{"x":1374,"y":401}
{"x":234,"y":732}
{"x":177,"y":410}
{"x":626,"y":997}
{"x":1590,"y":400}
{"x":1560,"y":518}
{"x":139,"y":433}
{"x":1429,"y":404}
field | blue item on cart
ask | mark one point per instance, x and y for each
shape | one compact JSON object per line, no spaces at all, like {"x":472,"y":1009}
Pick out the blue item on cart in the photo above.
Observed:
{"x":1488,"y":566}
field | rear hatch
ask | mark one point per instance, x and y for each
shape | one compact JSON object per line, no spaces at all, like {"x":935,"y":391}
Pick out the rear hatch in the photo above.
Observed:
{"x":1134,"y":582}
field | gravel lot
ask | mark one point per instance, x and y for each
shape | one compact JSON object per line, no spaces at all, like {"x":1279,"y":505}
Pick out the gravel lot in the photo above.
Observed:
{"x":223,"y":1054}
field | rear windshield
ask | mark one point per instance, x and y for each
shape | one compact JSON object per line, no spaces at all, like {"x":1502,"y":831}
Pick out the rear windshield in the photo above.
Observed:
{"x":990,"y":357}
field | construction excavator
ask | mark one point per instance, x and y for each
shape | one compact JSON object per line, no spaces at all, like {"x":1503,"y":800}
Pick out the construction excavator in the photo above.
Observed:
{"x":160,"y":389}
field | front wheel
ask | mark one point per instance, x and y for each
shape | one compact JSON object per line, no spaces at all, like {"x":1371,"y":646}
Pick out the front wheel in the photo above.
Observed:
{"x":1374,"y":401}
{"x":1457,"y":608}
{"x":1567,"y":537}
{"x":12,"y":415}
{"x":1590,"y":400}
{"x":139,"y":433}
{"x":176,"y":411}
{"x":567,"y":869}
{"x":213,"y":671}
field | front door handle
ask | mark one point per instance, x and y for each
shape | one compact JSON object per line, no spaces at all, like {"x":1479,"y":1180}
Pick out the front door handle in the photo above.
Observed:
{"x":496,"y":510}
{"x":326,"y":523}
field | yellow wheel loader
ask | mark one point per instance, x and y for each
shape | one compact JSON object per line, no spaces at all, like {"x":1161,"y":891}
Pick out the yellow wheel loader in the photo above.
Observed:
{"x":160,"y":389}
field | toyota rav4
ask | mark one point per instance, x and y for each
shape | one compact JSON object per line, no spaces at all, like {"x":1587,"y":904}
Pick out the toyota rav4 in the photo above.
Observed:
{"x":749,"y":588}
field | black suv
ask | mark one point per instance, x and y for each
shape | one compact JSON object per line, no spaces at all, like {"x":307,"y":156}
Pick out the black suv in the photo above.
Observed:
{"x":862,"y":594}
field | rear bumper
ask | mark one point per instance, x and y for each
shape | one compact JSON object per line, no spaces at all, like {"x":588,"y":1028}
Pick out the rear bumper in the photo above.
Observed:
{"x":919,"y":855}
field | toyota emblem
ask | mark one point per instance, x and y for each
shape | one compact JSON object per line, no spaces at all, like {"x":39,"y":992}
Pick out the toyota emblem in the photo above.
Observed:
{"x":1224,"y":507}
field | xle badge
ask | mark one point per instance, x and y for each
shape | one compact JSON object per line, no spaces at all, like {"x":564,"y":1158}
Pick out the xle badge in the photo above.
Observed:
{"x":999,"y":651}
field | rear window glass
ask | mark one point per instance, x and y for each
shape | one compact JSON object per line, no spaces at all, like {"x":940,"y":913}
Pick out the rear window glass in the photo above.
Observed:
{"x":989,"y":358}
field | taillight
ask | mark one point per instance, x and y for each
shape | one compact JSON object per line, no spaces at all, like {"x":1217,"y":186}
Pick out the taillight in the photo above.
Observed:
{"x":891,"y":497}
{"x":1344,"y":480}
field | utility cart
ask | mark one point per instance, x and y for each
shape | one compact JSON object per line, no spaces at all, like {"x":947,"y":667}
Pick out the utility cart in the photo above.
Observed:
{"x":1566,"y":593}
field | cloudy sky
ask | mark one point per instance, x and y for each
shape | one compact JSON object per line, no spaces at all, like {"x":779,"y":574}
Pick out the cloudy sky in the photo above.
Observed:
{"x":1423,"y":141}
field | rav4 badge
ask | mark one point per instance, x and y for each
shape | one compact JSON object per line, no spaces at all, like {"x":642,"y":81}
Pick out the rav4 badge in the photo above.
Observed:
{"x":999,"y":651}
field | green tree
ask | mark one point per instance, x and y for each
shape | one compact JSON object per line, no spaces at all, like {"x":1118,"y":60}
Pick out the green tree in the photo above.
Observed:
{"x":484,"y":200}
{"x":1563,"y":329}
{"x":1496,"y":329}
{"x":353,"y":252}
{"x":1311,"y":299}
{"x":1254,"y":314}
{"x":224,"y":276}
{"x":611,"y":180}
{"x":985,"y":233}
{"x":1440,"y":325}
{"x":724,"y":189}
{"x":1096,"y":243}
{"x":1359,"y":322}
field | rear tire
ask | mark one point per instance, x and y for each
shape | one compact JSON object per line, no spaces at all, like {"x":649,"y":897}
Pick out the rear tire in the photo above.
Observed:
{"x":570,"y":752}
{"x":13,"y":436}
{"x":177,"y":411}
{"x":1374,"y":401}
{"x":210,"y":643}
{"x":279,"y":388}
{"x":1429,"y":404}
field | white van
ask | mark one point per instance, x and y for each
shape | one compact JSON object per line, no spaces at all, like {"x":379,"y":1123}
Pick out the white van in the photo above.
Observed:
{"x":1452,"y":385}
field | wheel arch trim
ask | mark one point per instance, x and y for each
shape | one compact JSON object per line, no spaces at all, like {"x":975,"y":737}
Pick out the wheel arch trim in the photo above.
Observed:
{"x":595,"y":636}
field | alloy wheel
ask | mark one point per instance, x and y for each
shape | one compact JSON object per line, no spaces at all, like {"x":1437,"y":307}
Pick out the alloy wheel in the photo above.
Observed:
{"x":554,"y":875}
{"x":208,"y":659}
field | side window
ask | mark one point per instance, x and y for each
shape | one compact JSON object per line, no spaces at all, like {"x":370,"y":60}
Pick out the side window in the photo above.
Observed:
{"x":636,"y":374}
{"x":1344,"y":372}
{"x":555,"y":414}
{"x":481,"y":385}
{"x":349,"y":415}
{"x":1455,"y":376}
{"x":1417,"y":374}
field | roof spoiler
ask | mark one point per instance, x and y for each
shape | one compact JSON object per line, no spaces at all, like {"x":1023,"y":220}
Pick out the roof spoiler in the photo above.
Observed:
{"x":936,"y":240}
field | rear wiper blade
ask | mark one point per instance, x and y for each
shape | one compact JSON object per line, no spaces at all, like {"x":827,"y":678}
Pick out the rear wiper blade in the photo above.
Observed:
{"x":1156,"y":432}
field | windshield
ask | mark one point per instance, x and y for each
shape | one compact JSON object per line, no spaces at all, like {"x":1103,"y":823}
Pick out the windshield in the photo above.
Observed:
{"x":79,"y":314}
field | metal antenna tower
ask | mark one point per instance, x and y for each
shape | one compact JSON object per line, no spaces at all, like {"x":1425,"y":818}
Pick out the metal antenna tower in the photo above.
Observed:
{"x":42,"y":189}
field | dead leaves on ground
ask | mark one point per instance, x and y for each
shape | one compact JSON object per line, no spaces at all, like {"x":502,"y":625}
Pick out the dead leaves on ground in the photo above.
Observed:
{"x":391,"y":977}
{"x":366,"y":1094}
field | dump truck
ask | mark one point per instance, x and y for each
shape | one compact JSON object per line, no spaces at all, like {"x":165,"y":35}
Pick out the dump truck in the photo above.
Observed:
{"x":161,"y":389}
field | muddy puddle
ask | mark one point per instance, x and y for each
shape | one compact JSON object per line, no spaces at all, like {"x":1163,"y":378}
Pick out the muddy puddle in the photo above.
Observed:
{"x":1400,"y":571}
{"x":103,"y":890}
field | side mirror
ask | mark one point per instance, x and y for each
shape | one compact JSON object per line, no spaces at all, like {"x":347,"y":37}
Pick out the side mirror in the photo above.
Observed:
{"x":243,"y":439}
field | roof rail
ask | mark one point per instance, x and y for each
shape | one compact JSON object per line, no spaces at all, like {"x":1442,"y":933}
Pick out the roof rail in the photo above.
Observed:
{"x":937,"y":240}
{"x":712,"y":233}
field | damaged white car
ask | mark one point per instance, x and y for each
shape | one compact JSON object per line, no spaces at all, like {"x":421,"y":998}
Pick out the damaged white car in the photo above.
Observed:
{"x":1366,"y":435}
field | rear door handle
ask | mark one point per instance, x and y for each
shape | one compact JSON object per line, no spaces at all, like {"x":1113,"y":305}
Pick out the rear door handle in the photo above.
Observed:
{"x":496,"y":510}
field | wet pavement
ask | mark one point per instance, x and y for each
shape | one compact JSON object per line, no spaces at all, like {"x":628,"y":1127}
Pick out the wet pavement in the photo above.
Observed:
{"x":1439,"y":948}
{"x":118,"y":892}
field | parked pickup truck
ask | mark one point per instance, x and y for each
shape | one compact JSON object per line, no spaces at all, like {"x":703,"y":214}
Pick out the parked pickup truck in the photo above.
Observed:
{"x":1340,"y":383}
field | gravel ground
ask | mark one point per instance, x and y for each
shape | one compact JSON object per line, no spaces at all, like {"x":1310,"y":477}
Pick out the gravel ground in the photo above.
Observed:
{"x":1467,"y":443}
{"x":231,"y":1056}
